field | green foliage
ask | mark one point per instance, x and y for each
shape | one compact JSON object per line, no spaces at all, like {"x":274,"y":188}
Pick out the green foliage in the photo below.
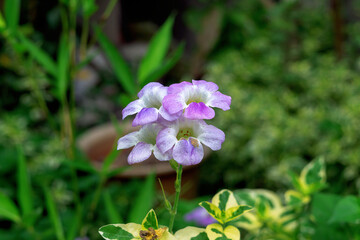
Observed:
{"x":158,"y":48}
{"x":24,"y":195}
{"x":330,"y":217}
{"x":292,"y":99}
{"x":143,"y":200}
{"x":54,"y":216}
{"x":114,"y":232}
{"x":224,"y":207}
{"x":8,"y":209}
{"x":12,"y":14}
{"x":150,"y":220}
{"x":121,"y":68}
{"x":347,"y":211}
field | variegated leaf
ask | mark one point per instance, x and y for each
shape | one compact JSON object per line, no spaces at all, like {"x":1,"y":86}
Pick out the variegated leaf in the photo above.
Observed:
{"x":213,"y":210}
{"x":117,"y":232}
{"x":217,"y":232}
{"x":224,"y":200}
{"x":191,"y":233}
{"x":236,"y":212}
{"x":150,"y":220}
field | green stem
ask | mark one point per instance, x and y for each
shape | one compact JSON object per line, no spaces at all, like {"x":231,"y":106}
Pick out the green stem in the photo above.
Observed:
{"x":177,"y":196}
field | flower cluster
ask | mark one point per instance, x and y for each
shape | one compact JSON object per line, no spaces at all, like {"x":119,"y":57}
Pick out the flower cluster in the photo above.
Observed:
{"x":172,"y":122}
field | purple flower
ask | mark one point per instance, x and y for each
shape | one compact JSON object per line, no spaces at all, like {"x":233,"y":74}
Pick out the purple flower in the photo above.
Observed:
{"x":144,"y":141}
{"x":200,"y":216}
{"x":196,"y":98}
{"x":149,"y":105}
{"x":184,"y":137}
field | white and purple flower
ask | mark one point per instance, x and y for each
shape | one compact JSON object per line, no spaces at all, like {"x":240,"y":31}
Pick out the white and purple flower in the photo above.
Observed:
{"x":195,"y":99}
{"x":184,"y":137}
{"x":149,"y":105}
{"x":144,"y":141}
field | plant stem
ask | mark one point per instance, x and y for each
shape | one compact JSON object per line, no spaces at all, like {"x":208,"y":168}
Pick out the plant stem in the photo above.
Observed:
{"x":177,"y":196}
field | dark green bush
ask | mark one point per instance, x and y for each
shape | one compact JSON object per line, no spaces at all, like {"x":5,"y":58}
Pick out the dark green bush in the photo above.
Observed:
{"x":292,"y":100}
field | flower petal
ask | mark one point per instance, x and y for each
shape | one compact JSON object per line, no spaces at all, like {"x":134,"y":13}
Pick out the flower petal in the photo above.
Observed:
{"x":128,"y":140}
{"x":145,"y":116}
{"x":166,"y":139}
{"x":178,"y":87}
{"x":208,"y":86}
{"x":173,"y":103}
{"x":162,"y":156}
{"x":220,"y":100}
{"x":140,"y":152}
{"x":132,"y":108}
{"x":199,"y":111}
{"x":149,"y":87}
{"x":186,"y":153}
{"x":212,"y":137}
{"x":167,"y":116}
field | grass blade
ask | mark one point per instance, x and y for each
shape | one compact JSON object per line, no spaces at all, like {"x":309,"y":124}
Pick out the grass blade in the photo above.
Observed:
{"x":24,"y":188}
{"x":119,"y":65}
{"x":12,"y":14}
{"x":112,"y":213}
{"x":75,"y":224}
{"x":143,"y":201}
{"x":53,"y":214}
{"x":158,"y":47}
{"x":8,"y":209}
{"x":165,"y":67}
{"x":2,"y":23}
{"x":110,"y":158}
{"x":39,"y":55}
{"x":63,"y":68}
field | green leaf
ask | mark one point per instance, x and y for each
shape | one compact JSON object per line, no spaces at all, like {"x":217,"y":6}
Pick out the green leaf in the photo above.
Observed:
{"x":8,"y":209}
{"x":39,"y":55}
{"x":236,"y":212}
{"x":144,"y":200}
{"x":119,"y":65}
{"x":25,"y":197}
{"x":117,"y":126}
{"x":112,"y":213}
{"x":115,"y":233}
{"x":162,"y":69}
{"x":53,"y":214}
{"x":150,"y":220}
{"x":2,"y":23}
{"x":223,"y":199}
{"x":201,"y":236}
{"x":213,"y":210}
{"x":295,"y":181}
{"x":89,"y":7}
{"x":81,"y":165}
{"x":63,"y":68}
{"x":75,"y":224}
{"x":158,"y":47}
{"x":323,"y":205}
{"x":12,"y":14}
{"x":347,"y":210}
{"x":314,"y":172}
{"x":110,"y":158}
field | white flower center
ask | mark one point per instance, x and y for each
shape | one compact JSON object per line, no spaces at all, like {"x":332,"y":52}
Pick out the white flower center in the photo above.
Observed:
{"x":195,"y":94}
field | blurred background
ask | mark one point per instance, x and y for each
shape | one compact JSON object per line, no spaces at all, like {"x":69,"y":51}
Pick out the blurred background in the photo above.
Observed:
{"x":68,"y":67}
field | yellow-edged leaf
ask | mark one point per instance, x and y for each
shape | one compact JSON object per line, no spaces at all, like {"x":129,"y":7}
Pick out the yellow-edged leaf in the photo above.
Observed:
{"x":216,"y":232}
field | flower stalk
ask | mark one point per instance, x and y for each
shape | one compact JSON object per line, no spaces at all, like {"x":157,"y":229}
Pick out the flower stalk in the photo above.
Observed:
{"x":177,"y":196}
